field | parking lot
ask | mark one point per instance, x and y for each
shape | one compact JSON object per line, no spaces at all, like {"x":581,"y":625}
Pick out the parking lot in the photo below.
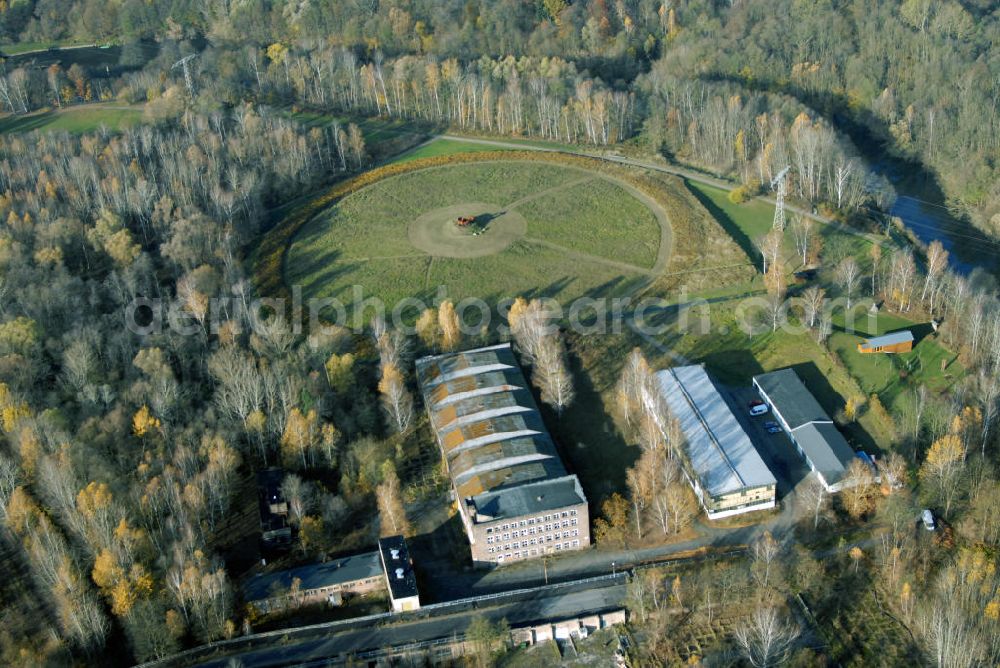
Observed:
{"x":777,"y":451}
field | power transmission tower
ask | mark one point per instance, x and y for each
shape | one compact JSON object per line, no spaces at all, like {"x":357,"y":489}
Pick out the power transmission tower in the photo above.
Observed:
{"x":183,"y":63}
{"x":778,"y":183}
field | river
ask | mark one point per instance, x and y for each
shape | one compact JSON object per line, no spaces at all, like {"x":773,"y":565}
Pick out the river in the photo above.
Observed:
{"x":98,"y":61}
{"x":967,"y":246}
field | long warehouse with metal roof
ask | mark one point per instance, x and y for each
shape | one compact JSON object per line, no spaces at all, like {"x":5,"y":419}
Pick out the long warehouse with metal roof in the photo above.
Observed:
{"x":808,"y":426}
{"x":517,"y":500}
{"x":724,"y":468}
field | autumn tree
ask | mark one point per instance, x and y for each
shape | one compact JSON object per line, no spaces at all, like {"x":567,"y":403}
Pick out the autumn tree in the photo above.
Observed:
{"x":802,"y":232}
{"x":487,"y":638}
{"x":390,"y":503}
{"x":340,"y":372}
{"x":428,"y":329}
{"x":813,"y":299}
{"x":814,"y":498}
{"x":300,"y":438}
{"x":396,"y":399}
{"x":550,"y":374}
{"x":847,"y":274}
{"x":642,"y":481}
{"x":764,"y":554}
{"x":860,"y":492}
{"x":611,"y":527}
{"x":766,"y":637}
{"x":450,"y":327}
{"x":943,"y":468}
{"x":298,"y":495}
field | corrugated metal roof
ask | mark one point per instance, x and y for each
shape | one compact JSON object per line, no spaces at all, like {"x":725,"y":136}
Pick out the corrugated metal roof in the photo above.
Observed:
{"x":487,"y":422}
{"x":720,"y":452}
{"x":890,"y":339}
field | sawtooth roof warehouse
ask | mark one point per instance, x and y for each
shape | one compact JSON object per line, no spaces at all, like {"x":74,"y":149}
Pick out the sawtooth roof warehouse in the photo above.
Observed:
{"x":515,"y":497}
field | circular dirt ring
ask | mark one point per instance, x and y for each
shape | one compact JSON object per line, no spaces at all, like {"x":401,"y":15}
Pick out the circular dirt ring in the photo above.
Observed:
{"x":437,"y":233}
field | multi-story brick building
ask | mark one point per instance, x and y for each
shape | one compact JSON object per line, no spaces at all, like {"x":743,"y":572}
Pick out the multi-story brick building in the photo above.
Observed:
{"x":515,"y":497}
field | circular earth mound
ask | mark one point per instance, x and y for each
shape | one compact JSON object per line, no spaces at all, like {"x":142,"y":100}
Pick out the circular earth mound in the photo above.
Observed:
{"x":494,"y":229}
{"x":542,"y":228}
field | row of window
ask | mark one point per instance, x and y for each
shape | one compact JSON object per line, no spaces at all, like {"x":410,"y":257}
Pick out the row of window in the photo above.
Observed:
{"x":532,"y":530}
{"x":534,"y":520}
{"x":534,"y":552}
{"x":534,"y":541}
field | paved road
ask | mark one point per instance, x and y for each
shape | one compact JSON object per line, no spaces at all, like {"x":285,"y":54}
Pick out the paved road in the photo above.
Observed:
{"x":537,"y":607}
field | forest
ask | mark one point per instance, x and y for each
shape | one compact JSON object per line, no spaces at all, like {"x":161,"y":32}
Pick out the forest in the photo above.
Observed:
{"x":123,"y":454}
{"x":916,"y":79}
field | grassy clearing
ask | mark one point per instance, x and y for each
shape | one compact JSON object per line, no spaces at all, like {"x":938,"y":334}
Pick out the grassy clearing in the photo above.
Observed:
{"x":716,"y":339}
{"x":362,"y":240}
{"x":892,"y":376}
{"x":74,"y":119}
{"x":596,"y":217}
{"x":752,"y":220}
{"x":443,"y":147}
{"x":744,"y":222}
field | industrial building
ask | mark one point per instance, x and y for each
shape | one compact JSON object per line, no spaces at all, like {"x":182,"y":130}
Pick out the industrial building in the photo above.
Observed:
{"x":812,"y":431}
{"x":515,"y":497}
{"x":399,"y":575}
{"x":896,"y":342}
{"x":315,"y":583}
{"x":390,"y":568}
{"x":721,"y":463}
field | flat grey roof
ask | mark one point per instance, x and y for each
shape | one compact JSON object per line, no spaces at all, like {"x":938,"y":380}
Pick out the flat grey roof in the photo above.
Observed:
{"x":720,"y":452}
{"x":890,"y":339}
{"x":314,"y":576}
{"x":789,"y":397}
{"x":398,"y":569}
{"x":530,"y":498}
{"x":826,"y":448}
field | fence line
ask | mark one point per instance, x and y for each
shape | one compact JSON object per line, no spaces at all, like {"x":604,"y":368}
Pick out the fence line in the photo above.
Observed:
{"x":289,"y":634}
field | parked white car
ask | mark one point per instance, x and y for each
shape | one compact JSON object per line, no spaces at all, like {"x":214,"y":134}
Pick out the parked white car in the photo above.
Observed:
{"x":758,"y":407}
{"x":928,"y":518}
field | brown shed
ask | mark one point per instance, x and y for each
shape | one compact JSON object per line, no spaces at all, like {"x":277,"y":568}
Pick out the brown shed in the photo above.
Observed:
{"x":896,"y":342}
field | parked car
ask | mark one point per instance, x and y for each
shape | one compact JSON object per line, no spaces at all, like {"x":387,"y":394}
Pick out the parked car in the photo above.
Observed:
{"x":772,"y":427}
{"x":928,"y":518}
{"x":758,"y":407}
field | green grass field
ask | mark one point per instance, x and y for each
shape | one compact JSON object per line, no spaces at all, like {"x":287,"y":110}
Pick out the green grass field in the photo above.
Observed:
{"x":744,"y":222}
{"x":891,"y":376}
{"x":363,"y":239}
{"x":752,"y":220}
{"x":597,"y":218}
{"x":77,"y":119}
{"x":438,"y":147}
{"x":718,"y":341}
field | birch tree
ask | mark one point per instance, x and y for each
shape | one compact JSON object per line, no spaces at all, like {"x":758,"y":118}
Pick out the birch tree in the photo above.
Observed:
{"x":847,"y":275}
{"x":766,"y":638}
